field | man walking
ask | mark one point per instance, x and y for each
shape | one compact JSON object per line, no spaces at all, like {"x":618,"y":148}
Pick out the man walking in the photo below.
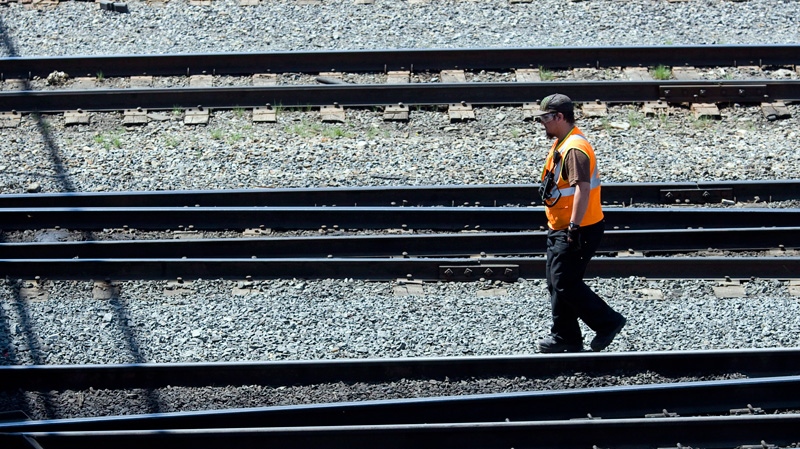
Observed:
{"x":571,"y":192}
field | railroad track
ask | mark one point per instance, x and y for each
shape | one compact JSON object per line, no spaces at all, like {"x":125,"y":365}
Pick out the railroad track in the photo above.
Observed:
{"x":506,"y":269}
{"x":725,"y":417}
{"x":404,"y":94}
{"x":379,"y":61}
{"x":720,"y":397}
{"x":375,"y":95}
{"x":336,"y":252}
{"x":467,"y":257}
{"x":644,"y":242}
{"x":725,"y":432}
{"x":436,"y":195}
{"x":752,"y":362}
{"x":360,"y":218}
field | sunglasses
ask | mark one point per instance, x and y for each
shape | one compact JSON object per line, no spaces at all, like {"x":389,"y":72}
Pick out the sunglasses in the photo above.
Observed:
{"x":546,"y":118}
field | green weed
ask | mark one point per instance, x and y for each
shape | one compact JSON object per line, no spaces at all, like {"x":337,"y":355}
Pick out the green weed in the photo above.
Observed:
{"x":335,"y":133}
{"x":663,"y":118}
{"x":109,"y":140}
{"x":662,"y":72}
{"x":545,"y":74}
{"x":635,"y":118}
{"x":701,"y":122}
{"x":172,"y":142}
{"x":304,"y":129}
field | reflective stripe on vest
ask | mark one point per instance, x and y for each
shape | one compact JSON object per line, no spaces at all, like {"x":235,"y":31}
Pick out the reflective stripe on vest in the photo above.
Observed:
{"x":559,"y":213}
{"x":569,"y":191}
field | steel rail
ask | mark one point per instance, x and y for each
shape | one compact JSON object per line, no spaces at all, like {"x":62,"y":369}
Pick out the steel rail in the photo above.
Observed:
{"x":435,"y":195}
{"x":752,"y":362}
{"x":719,"y":397}
{"x":370,"y":95}
{"x":507,"y":269}
{"x":417,"y":60}
{"x":708,"y":432}
{"x":412,"y":245}
{"x":435,"y":218}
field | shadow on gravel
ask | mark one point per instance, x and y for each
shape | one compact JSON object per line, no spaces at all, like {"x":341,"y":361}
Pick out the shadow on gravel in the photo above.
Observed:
{"x":10,"y":400}
{"x":131,"y":341}
{"x":16,"y":400}
{"x":44,"y":129}
{"x":55,"y":154}
{"x":41,"y":124}
{"x":6,"y":40}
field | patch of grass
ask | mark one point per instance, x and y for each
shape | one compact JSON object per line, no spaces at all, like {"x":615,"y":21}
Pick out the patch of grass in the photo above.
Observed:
{"x":702,"y":122}
{"x":635,"y":118}
{"x":605,"y":123}
{"x":336,"y":132}
{"x":177,"y":110}
{"x":216,"y":134}
{"x":235,"y":137}
{"x":545,"y":74}
{"x":100,"y":76}
{"x":303,"y":129}
{"x":238,"y":111}
{"x":172,"y":142}
{"x":108,"y":141}
{"x":663,"y":118}
{"x":661,"y":72}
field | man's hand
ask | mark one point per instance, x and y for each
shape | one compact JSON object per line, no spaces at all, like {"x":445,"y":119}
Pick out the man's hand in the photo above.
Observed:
{"x":574,"y":237}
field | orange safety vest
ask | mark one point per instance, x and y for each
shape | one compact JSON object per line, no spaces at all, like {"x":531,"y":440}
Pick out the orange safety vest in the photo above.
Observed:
{"x":558,"y":215}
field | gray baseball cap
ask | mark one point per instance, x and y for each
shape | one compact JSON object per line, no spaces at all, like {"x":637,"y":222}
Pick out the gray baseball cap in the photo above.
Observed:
{"x":554,"y":103}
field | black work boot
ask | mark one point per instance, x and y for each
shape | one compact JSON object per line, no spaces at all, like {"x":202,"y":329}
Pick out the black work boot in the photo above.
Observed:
{"x":601,"y":341}
{"x":550,"y":345}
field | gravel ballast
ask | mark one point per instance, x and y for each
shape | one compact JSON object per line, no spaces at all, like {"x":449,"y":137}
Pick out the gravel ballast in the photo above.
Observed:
{"x":318,"y":319}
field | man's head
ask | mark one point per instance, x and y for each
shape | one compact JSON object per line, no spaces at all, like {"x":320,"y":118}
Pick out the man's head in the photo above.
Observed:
{"x":557,"y":114}
{"x":556,"y":103}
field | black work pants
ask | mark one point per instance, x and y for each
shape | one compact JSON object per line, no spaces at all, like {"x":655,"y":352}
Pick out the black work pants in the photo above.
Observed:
{"x":570,"y":297}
